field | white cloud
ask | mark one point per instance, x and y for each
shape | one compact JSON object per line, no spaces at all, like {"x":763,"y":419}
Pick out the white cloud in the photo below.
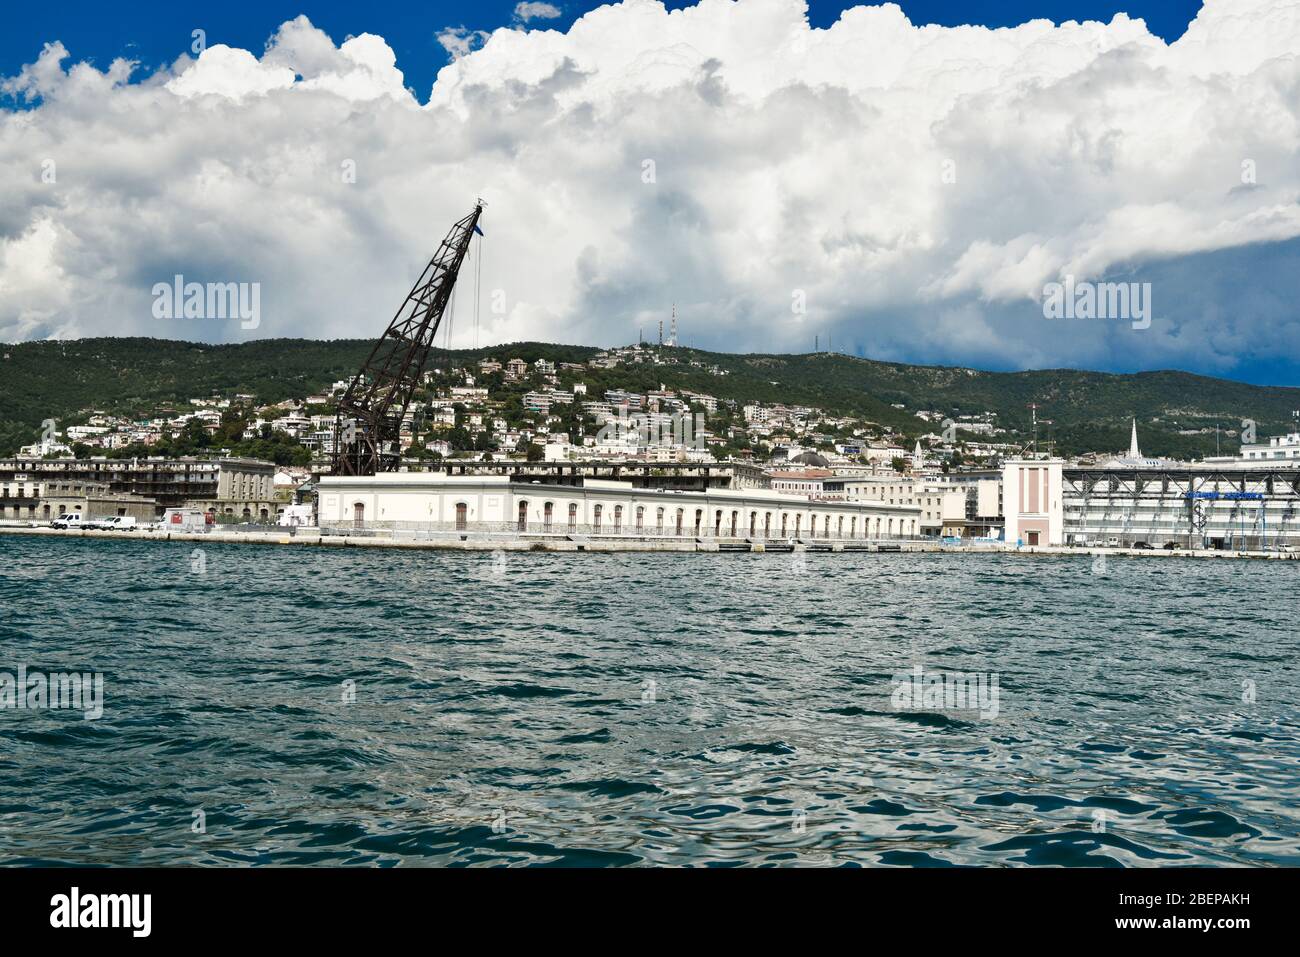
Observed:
{"x":536,"y":11}
{"x":919,"y":184}
{"x":460,"y":42}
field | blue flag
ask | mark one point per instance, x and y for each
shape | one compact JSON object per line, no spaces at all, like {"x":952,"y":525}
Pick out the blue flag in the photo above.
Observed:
{"x":477,"y":230}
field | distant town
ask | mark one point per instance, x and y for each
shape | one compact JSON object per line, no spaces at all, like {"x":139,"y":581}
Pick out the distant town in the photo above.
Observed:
{"x":241,"y":460}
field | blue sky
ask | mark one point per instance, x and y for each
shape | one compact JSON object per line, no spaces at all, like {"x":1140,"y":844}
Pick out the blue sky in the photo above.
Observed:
{"x":156,"y":32}
{"x":899,"y":193}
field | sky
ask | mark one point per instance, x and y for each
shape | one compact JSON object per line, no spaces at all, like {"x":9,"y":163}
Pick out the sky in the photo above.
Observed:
{"x":905,"y":182}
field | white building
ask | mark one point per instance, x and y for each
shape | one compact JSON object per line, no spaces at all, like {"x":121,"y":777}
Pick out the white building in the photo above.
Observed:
{"x":440,"y":502}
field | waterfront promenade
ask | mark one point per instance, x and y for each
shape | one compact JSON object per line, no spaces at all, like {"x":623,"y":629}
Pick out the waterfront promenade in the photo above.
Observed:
{"x":472,"y":540}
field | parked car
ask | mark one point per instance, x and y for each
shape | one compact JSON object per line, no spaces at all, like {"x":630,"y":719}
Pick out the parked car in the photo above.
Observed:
{"x":71,"y":520}
{"x":1144,"y":545}
{"x":1171,"y":546}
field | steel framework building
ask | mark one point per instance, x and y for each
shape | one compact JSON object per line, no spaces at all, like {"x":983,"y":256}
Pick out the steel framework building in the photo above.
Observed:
{"x":1246,"y":509}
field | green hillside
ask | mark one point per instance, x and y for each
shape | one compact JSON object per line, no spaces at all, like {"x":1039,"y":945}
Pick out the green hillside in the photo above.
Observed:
{"x":1080,"y":411}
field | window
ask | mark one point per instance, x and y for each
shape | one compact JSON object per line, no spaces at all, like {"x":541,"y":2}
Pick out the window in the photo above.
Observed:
{"x":734,"y":514}
{"x":699,"y":519}
{"x":839,"y":528}
{"x":812,"y":526}
{"x":573,"y":516}
{"x":618,"y":517}
{"x":717,"y":523}
{"x":358,"y":514}
{"x":659,"y":526}
{"x":798,"y":522}
{"x":462,"y":516}
{"x":681,"y":514}
{"x":767,"y":524}
{"x":548,"y":510}
{"x":753,"y":524}
{"x":596,"y":517}
{"x":640,"y":518}
{"x":523,"y":517}
{"x":784,"y":519}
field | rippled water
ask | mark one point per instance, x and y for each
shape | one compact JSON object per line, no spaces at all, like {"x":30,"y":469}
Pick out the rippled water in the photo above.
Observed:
{"x":510,"y":718}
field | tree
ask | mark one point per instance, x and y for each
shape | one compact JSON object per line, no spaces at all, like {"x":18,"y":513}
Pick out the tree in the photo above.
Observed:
{"x":535,"y":452}
{"x":899,"y":463}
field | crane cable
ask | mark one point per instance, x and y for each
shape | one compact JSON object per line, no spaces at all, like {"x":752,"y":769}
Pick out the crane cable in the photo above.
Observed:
{"x":478,"y":284}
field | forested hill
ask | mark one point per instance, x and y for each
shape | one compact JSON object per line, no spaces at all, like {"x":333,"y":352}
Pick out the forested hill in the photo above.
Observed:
{"x":1082,"y":411}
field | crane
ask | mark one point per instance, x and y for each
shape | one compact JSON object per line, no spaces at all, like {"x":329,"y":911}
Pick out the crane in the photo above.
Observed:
{"x":367,"y":425}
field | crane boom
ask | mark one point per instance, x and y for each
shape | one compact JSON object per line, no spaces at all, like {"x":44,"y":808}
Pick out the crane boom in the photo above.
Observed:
{"x":367,"y":426}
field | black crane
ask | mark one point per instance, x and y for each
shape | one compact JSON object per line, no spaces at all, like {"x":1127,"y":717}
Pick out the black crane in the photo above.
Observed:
{"x":367,"y":427}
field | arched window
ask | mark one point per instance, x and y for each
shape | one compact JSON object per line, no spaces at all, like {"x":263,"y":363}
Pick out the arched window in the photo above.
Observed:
{"x":523,"y":517}
{"x":891,"y":526}
{"x":784,"y":518}
{"x":618,"y":518}
{"x":839,"y":528}
{"x":699,"y":519}
{"x":358,"y":514}
{"x":767,"y":524}
{"x":798,"y":523}
{"x":853,"y":527}
{"x":753,"y":524}
{"x":681,"y":515}
{"x":734,"y":516}
{"x":548,"y":509}
{"x":640,"y":518}
{"x":596,"y":517}
{"x":812,"y":526}
{"x":573,"y":516}
{"x":826,"y":527}
{"x":717,"y":523}
{"x":659,"y":521}
{"x":462,"y":516}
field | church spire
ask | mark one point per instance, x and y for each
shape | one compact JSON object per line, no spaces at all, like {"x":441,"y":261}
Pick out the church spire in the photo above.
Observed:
{"x":1133,"y":451}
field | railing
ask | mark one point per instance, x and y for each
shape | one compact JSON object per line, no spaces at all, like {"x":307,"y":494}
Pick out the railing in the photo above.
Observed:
{"x":608,"y":530}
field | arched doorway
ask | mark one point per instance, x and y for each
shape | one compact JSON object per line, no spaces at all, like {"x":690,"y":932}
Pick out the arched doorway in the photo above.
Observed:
{"x":462,"y":516}
{"x":358,"y":515}
{"x":522,"y":523}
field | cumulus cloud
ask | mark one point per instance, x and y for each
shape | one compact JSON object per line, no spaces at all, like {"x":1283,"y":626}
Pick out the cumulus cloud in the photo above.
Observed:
{"x":915,"y":186}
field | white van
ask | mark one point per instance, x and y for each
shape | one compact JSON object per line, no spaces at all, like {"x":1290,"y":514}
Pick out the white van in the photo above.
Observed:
{"x":295,"y":515}
{"x":185,"y":520}
{"x":70,"y":520}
